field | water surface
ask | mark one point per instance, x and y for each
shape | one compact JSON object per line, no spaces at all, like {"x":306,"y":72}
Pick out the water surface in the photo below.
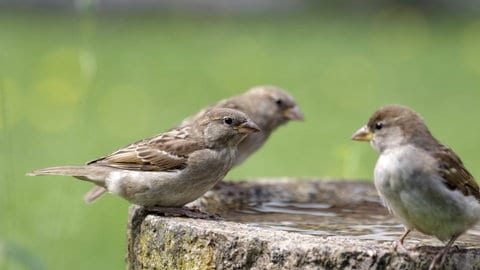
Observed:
{"x":367,"y":220}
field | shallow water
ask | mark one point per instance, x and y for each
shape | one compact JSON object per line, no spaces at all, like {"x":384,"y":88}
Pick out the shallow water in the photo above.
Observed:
{"x":367,"y":220}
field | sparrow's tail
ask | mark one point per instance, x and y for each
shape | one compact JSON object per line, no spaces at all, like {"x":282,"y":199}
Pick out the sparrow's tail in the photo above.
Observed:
{"x":94,"y":174}
{"x":93,"y":194}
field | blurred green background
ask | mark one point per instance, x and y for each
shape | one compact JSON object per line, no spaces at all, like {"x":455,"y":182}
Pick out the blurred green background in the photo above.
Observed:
{"x":79,"y":84}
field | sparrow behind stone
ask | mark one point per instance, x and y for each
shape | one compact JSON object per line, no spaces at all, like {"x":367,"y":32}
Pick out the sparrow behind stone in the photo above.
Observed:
{"x":420,"y":180}
{"x":172,"y":168}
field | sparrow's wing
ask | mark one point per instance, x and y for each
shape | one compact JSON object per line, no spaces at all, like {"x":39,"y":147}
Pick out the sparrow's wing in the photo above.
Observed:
{"x":165,"y":152}
{"x":454,"y":173}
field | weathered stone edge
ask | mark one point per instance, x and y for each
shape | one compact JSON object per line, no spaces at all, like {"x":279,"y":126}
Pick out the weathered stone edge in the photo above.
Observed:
{"x":180,"y":243}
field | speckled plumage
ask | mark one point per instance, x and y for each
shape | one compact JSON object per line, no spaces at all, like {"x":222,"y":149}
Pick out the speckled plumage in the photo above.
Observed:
{"x":172,"y":168}
{"x":268,"y":106}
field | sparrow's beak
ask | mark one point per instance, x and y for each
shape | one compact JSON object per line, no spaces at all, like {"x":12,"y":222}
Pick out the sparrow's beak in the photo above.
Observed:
{"x":293,"y":114}
{"x":363,"y":134}
{"x":247,"y":127}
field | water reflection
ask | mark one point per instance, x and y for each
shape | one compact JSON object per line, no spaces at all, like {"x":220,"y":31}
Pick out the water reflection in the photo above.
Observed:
{"x":367,"y":220}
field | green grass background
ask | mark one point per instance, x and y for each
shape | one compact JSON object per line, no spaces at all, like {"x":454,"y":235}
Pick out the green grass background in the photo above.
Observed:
{"x":74,"y":87}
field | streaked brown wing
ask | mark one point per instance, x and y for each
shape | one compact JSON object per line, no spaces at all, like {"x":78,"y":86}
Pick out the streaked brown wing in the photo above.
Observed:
{"x":454,"y":173}
{"x":165,"y":152}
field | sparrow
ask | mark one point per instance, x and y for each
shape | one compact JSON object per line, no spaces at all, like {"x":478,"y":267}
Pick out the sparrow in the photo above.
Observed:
{"x":421,"y":181}
{"x":268,"y":106}
{"x":170,"y":169}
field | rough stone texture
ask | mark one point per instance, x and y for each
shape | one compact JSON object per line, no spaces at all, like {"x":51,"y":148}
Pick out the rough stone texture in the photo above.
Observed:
{"x":156,"y":242}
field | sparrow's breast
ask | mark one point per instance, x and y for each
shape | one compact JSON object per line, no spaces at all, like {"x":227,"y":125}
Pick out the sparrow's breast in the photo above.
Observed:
{"x":398,"y":174}
{"x":408,"y":183}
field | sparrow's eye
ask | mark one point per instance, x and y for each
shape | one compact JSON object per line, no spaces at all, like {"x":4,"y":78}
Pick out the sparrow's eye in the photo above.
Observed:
{"x":228,"y":120}
{"x":378,"y":125}
{"x":279,"y":102}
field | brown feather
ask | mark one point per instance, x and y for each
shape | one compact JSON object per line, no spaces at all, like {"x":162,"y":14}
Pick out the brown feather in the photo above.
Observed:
{"x":165,"y":152}
{"x":454,"y":173}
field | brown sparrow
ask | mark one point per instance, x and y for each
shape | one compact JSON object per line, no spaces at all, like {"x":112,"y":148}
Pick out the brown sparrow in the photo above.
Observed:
{"x":268,"y":106}
{"x":421,"y":181}
{"x":172,"y":168}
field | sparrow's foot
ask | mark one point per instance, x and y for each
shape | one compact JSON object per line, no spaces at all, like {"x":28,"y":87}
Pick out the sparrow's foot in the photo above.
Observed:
{"x":399,"y":247}
{"x":439,"y":259}
{"x":191,"y":212}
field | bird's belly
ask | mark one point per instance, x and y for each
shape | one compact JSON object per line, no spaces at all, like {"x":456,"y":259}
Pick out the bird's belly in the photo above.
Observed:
{"x":424,"y":203}
{"x":171,"y":188}
{"x":164,"y":189}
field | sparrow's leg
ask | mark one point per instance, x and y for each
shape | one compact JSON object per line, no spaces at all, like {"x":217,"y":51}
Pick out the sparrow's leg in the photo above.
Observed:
{"x":191,"y":212}
{"x":398,"y":244}
{"x":442,"y":255}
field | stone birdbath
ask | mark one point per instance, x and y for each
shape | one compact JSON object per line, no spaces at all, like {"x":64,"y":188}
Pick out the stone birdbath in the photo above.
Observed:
{"x":287,"y":224}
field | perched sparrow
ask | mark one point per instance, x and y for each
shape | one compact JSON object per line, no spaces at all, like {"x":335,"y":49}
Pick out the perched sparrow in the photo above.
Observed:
{"x":268,"y":106}
{"x":170,"y":169}
{"x":421,"y":181}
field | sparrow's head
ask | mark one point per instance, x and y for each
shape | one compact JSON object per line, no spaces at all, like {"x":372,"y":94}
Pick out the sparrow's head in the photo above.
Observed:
{"x":392,"y":126}
{"x":270,"y":107}
{"x":226,"y":127}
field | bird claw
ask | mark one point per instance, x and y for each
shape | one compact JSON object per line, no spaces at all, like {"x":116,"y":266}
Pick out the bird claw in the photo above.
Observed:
{"x":434,"y":265}
{"x":190,"y":212}
{"x":439,"y":259}
{"x":399,"y":247}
